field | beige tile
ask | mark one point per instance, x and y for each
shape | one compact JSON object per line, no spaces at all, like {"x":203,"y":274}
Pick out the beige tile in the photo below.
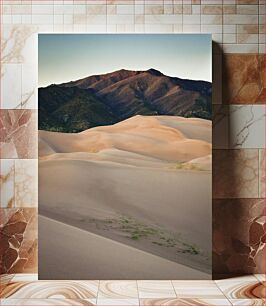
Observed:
{"x":247,"y":38}
{"x":158,"y":28}
{"x":139,"y":9}
{"x":191,"y":28}
{"x":168,"y":9}
{"x":21,"y":9}
{"x":240,"y":19}
{"x":197,"y":289}
{"x":262,"y":170}
{"x":42,"y":19}
{"x":247,"y":1}
{"x":248,"y":302}
{"x":187,"y":9}
{"x":26,"y":183}
{"x":42,"y":9}
{"x":229,"y":38}
{"x":240,"y":48}
{"x":118,"y":289}
{"x":139,"y":19}
{"x":154,"y":9}
{"x":163,"y":19}
{"x":229,"y":9}
{"x":262,"y":9}
{"x":208,"y":28}
{"x":118,"y":19}
{"x":262,"y":48}
{"x":241,"y":287}
{"x":248,"y":29}
{"x":247,"y":9}
{"x":229,"y":28}
{"x":125,"y":9}
{"x":191,"y":19}
{"x":11,"y":86}
{"x":48,"y":302}
{"x":7,"y":183}
{"x":211,"y":19}
{"x":117,"y":302}
{"x":196,"y":9}
{"x":111,"y":9}
{"x":184,"y":302}
{"x":61,"y":289}
{"x":96,"y":9}
{"x":25,"y":277}
{"x":212,"y":9}
{"x":125,"y":28}
{"x":155,"y":289}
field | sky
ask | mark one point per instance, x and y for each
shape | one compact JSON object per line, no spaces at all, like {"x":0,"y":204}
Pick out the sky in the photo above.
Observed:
{"x":69,"y":57}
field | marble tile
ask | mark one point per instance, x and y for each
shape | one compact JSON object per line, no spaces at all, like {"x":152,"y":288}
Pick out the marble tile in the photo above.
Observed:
{"x":118,"y":289}
{"x":235,"y":173}
{"x":247,"y":9}
{"x":247,"y":1}
{"x":246,"y":38}
{"x":117,"y":302}
{"x":242,"y":287}
{"x":229,"y":38}
{"x":212,"y":9}
{"x":51,"y":290}
{"x":19,"y":44}
{"x":243,"y":79}
{"x":153,"y":9}
{"x":248,"y":302}
{"x":211,"y":19}
{"x":29,"y":86}
{"x":229,"y":9}
{"x":18,"y":130}
{"x":248,"y":29}
{"x":261,"y":277}
{"x":24,"y":277}
{"x":197,"y":289}
{"x":247,"y":126}
{"x":155,"y":289}
{"x":220,"y":121}
{"x":262,"y":171}
{"x":184,"y":302}
{"x":240,"y":49}
{"x":18,"y":232}
{"x":239,"y":244}
{"x":7,"y":183}
{"x":5,"y":279}
{"x":229,"y":28}
{"x":240,"y":19}
{"x":26,"y":183}
{"x":11,"y":92}
{"x":163,"y":19}
{"x":44,"y":302}
{"x":18,"y":183}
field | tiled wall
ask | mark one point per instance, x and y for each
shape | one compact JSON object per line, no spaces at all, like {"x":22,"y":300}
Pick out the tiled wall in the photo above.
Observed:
{"x":238,"y":28}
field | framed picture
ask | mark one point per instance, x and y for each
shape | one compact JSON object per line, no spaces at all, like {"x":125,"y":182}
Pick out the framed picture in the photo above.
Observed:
{"x":125,"y":156}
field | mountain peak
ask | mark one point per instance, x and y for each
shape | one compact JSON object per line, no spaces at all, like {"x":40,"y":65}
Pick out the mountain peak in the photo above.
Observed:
{"x":154,"y":72}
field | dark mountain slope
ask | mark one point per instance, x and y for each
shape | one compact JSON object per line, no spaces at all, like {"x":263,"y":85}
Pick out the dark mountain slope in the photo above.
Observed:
{"x":71,"y":109}
{"x":109,"y":98}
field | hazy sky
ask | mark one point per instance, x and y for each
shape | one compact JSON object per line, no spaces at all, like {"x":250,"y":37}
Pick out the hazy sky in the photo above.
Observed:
{"x":68,"y":57}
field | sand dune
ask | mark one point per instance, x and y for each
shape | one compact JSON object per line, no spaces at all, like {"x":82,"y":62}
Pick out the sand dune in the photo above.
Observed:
{"x":87,"y":257}
{"x":139,"y":182}
{"x":157,"y":137}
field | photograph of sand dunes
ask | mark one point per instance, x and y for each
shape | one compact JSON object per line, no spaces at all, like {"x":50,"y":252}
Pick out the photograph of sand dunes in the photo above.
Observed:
{"x":125,"y":156}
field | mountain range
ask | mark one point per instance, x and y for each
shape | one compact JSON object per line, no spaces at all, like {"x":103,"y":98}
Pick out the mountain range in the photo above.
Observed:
{"x":110,"y":98}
